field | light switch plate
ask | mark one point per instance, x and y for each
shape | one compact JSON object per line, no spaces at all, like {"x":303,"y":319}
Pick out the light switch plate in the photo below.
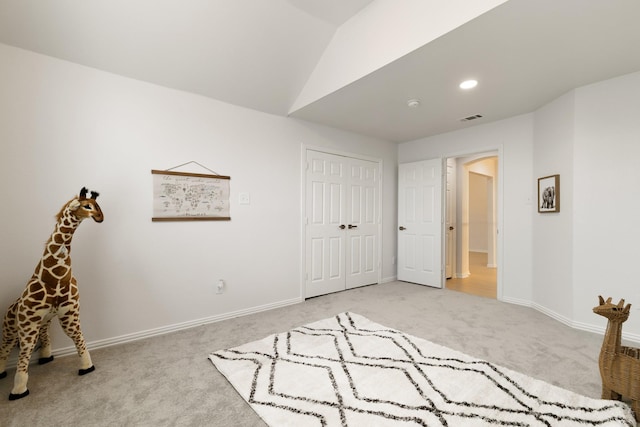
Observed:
{"x":244,"y":199}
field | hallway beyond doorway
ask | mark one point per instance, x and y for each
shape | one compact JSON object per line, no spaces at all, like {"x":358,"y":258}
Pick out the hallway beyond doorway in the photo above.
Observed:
{"x":482,"y":280}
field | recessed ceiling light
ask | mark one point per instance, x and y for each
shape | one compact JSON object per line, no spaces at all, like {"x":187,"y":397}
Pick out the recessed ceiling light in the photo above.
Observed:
{"x":413,"y":103}
{"x":468,"y":84}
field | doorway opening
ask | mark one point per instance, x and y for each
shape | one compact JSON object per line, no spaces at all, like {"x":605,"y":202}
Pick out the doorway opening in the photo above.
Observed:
{"x":471,"y":243}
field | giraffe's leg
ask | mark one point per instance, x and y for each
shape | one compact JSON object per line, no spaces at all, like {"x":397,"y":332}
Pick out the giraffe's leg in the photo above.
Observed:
{"x":9,"y":339}
{"x":28,"y":335}
{"x":70,"y":323}
{"x":635,"y":406}
{"x":45,"y":344}
{"x":609,"y":394}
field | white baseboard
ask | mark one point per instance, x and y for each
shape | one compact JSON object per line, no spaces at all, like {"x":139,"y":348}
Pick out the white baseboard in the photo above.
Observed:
{"x":94,"y":345}
{"x":600,"y":330}
{"x":516,"y":301}
{"x":633,"y":338}
{"x":553,"y":314}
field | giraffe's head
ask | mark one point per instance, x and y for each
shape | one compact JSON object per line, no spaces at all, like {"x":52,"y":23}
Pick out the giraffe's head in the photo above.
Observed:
{"x":617,"y":312}
{"x":84,"y":207}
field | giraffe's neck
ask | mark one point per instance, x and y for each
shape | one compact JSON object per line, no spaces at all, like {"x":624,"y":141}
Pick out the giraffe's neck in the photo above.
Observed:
{"x":59,"y":244}
{"x":613,"y":339}
{"x":54,"y":269}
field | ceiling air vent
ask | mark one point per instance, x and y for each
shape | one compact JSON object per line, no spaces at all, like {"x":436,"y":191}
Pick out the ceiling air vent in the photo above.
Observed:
{"x":475,"y":116}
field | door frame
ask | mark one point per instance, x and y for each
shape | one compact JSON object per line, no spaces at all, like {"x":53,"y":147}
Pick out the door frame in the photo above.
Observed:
{"x":499,"y":210}
{"x":303,"y":208}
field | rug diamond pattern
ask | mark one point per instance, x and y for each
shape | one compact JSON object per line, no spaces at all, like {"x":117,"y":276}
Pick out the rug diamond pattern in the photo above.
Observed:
{"x":349,"y":371}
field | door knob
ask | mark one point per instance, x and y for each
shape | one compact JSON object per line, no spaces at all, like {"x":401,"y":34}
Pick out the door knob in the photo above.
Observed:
{"x":352,"y":226}
{"x":402,"y":228}
{"x":342,"y":227}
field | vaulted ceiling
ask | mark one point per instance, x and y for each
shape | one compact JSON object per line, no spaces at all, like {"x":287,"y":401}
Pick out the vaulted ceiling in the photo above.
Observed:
{"x":349,"y":64}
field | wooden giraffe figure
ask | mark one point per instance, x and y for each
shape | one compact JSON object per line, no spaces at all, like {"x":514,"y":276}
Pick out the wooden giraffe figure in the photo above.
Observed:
{"x":52,"y":291}
{"x":619,"y":365}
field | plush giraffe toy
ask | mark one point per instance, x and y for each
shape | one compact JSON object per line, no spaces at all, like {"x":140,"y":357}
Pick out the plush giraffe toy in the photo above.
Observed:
{"x":52,"y":291}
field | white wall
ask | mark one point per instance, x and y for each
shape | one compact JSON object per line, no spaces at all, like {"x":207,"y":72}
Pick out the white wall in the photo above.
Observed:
{"x":514,"y":138}
{"x":590,"y":137}
{"x":478,"y":210}
{"x":483,"y":175}
{"x":606,"y":197}
{"x":64,"y":126}
{"x":553,"y":241}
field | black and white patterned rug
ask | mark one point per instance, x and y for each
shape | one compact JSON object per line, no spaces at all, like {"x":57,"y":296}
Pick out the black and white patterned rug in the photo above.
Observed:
{"x":349,"y":371}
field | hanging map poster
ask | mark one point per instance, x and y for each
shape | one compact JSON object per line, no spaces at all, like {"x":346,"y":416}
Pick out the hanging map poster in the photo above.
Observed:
{"x":179,"y":196}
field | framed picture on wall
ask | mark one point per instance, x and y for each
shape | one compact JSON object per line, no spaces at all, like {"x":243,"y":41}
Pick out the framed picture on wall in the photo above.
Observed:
{"x":549,"y":194}
{"x":180,"y":196}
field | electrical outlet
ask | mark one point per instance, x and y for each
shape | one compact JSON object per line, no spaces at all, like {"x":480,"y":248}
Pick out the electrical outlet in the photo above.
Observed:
{"x":220,"y":287}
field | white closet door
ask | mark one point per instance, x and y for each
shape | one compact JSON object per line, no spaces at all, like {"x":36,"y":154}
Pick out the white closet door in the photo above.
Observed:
{"x":342,"y":216}
{"x":362,"y":224}
{"x":325,"y":240}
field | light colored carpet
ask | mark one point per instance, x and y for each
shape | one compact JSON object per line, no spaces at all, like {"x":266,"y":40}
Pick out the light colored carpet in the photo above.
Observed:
{"x":168,"y":380}
{"x":349,"y":371}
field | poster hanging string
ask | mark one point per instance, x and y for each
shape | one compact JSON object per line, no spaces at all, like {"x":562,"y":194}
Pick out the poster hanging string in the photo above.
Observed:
{"x":193,"y":161}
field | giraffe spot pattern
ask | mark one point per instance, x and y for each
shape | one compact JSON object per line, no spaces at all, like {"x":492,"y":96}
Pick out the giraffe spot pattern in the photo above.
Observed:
{"x":49,"y":262}
{"x":60,"y":271}
{"x":38,"y":296}
{"x":51,"y":291}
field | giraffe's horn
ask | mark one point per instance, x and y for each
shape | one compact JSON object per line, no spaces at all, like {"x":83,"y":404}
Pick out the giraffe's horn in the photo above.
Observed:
{"x":94,"y":195}
{"x":83,"y":193}
{"x":621,"y":303}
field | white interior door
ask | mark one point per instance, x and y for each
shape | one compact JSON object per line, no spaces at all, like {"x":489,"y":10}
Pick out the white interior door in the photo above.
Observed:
{"x":325,"y":241}
{"x":362,"y":224}
{"x":420,"y":222}
{"x":342,"y":216}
